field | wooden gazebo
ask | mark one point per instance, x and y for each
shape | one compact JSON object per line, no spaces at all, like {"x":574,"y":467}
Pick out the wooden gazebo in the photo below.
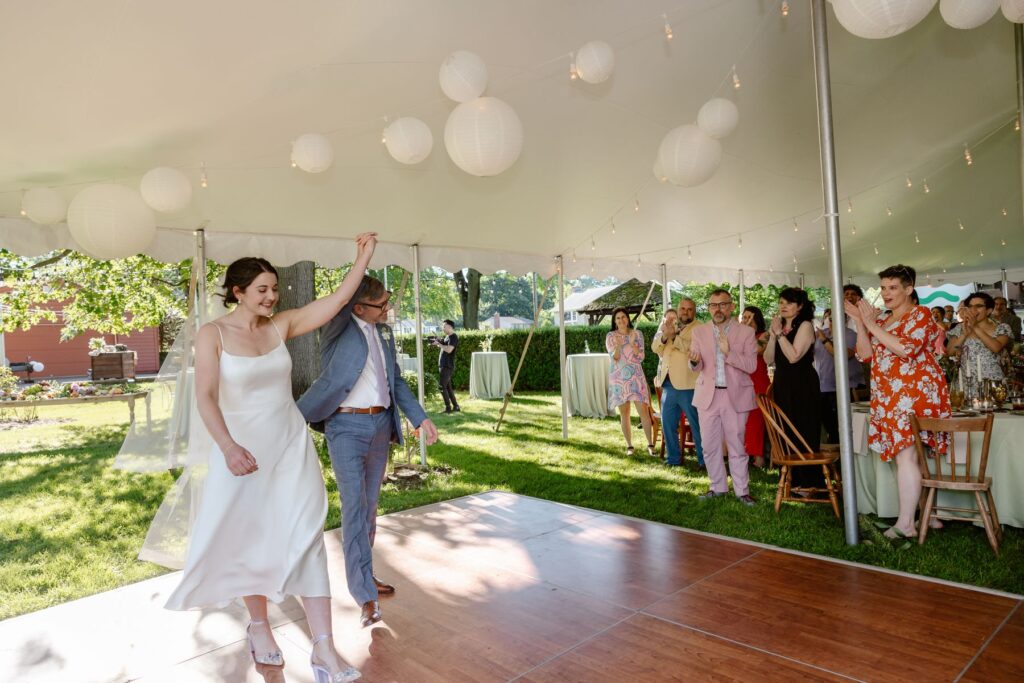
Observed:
{"x":629,"y":295}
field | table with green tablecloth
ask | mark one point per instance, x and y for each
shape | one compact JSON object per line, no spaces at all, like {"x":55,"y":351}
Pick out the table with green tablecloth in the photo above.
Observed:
{"x":488,"y":375}
{"x":877,"y":491}
{"x":587,"y":374}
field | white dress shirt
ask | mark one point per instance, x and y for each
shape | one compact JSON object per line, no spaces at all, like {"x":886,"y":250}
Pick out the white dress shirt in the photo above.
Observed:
{"x":367,"y":391}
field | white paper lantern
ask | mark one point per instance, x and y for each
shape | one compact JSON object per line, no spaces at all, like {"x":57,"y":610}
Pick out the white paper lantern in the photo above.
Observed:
{"x":312,"y":153}
{"x":881,"y":18}
{"x":966,"y":14}
{"x":595,"y":61}
{"x":463,"y":76}
{"x":44,"y":206}
{"x":483,"y":137}
{"x":718,"y":117}
{"x":408,"y":140}
{"x":688,"y":156}
{"x":111,"y":221}
{"x":1013,"y":10}
{"x":166,"y":189}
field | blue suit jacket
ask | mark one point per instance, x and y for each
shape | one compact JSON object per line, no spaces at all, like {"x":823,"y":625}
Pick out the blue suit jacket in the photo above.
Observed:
{"x":343,"y":352}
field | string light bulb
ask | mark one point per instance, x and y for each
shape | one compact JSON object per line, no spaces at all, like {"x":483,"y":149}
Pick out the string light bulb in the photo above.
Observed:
{"x":1002,"y":242}
{"x":591,"y":267}
{"x":636,"y":205}
{"x":203,"y":181}
{"x":917,"y":240}
{"x":689,"y":253}
{"x":960,"y":223}
{"x":823,"y":245}
{"x":573,"y":73}
{"x":739,"y":241}
{"x":613,"y":227}
{"x":910,"y":183}
{"x":735,"y":79}
{"x":574,"y":256}
{"x":876,"y":248}
{"x":668,"y":27}
{"x":853,"y":227}
{"x":796,"y":226}
{"x":981,"y":252}
{"x":794,"y":258}
{"x":1016,"y":123}
{"x":593,"y":244}
{"x":967,"y":155}
{"x":23,"y":211}
{"x":771,"y":268}
{"x":1005,"y":213}
{"x":888,"y":211}
{"x":785,"y":8}
{"x":926,"y":188}
{"x":849,"y":206}
{"x":638,"y":262}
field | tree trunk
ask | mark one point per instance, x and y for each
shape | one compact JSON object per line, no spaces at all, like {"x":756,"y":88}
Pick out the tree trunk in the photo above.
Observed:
{"x":468,"y":286}
{"x":296,"y":284}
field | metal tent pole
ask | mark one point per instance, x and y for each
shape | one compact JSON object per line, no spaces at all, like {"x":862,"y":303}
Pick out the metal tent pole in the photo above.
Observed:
{"x":1018,"y":51}
{"x":201,"y":310}
{"x":823,"y":91}
{"x":743,"y":293}
{"x":419,"y":339}
{"x":666,"y":295}
{"x":563,"y":383}
{"x":1006,"y":286}
{"x":802,"y":280}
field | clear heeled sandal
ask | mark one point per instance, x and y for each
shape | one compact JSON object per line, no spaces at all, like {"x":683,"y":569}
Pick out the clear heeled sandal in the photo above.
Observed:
{"x":321,"y":674}
{"x":272,"y":658}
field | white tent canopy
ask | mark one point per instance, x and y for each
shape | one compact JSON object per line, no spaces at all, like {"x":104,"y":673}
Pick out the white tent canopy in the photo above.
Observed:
{"x":104,"y":90}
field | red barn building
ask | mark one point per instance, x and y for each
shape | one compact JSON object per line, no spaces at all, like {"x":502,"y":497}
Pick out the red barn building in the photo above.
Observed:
{"x":70,"y":358}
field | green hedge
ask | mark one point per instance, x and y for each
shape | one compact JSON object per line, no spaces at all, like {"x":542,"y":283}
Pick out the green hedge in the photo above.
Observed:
{"x":540,"y":371}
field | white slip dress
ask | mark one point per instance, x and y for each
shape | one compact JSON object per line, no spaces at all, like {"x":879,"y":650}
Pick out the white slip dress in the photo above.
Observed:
{"x":262,"y":533}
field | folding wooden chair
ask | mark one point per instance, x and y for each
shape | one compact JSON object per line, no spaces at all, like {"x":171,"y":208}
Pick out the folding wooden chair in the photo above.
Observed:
{"x":786,"y":455}
{"x":953,"y":472}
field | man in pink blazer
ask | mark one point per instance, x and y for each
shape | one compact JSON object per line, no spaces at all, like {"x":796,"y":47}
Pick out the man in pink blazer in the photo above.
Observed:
{"x":725,"y":353}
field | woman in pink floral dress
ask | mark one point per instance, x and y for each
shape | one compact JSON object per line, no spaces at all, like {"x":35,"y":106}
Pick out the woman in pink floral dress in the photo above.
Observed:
{"x":626,"y":381}
{"x":905,"y":380}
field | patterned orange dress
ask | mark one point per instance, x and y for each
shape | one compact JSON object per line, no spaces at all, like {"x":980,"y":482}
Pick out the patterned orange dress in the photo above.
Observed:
{"x":904,"y":386}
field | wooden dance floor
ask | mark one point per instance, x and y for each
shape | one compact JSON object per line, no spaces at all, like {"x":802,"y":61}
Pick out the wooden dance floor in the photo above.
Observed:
{"x":501,"y":587}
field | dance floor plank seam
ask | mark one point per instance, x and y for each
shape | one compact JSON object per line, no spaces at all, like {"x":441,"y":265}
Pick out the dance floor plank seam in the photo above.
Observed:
{"x":502,"y":587}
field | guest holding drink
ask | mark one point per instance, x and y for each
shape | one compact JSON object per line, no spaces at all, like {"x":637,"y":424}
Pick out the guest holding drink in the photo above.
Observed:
{"x":905,"y":379}
{"x":754,"y":435}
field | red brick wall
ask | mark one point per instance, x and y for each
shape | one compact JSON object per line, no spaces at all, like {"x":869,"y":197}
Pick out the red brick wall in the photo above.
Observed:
{"x":70,"y":358}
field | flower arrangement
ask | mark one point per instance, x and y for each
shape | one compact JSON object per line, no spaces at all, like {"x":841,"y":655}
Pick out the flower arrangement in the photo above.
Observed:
{"x":42,"y":391}
{"x":485,"y":343}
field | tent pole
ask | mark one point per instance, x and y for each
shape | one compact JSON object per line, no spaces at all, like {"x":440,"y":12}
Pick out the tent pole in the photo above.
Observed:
{"x":201,"y":275}
{"x":1018,"y":49}
{"x":743,"y":293}
{"x":419,"y":339}
{"x":533,"y":288}
{"x":666,"y":295}
{"x":802,"y":281}
{"x":519,"y":367}
{"x":563,"y":384}
{"x":1006,"y":286}
{"x":823,"y":90}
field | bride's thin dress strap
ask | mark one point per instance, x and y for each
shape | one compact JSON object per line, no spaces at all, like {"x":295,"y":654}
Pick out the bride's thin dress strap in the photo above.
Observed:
{"x":221,"y":333}
{"x":275,"y":328}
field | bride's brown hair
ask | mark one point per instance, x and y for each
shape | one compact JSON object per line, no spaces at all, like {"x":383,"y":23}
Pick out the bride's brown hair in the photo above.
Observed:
{"x":241,"y":273}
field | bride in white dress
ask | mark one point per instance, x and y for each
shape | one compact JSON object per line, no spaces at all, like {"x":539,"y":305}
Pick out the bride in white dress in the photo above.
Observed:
{"x":258,"y":534}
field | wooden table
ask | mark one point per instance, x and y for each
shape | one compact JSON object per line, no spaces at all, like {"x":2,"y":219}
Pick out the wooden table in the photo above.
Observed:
{"x":128,"y":398}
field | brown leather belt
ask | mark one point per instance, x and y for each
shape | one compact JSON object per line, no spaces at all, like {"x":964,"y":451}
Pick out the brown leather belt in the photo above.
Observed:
{"x":362,"y":411}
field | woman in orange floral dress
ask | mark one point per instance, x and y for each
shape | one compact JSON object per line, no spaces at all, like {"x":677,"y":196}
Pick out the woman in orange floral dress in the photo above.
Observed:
{"x":905,"y":380}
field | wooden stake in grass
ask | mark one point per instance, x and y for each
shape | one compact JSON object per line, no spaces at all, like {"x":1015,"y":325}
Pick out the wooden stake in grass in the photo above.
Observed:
{"x":522,"y":357}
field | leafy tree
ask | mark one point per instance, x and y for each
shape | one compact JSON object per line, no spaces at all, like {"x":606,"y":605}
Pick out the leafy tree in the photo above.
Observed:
{"x":506,"y":294}
{"x":467,"y":284}
{"x":110,"y":297}
{"x":765,"y":297}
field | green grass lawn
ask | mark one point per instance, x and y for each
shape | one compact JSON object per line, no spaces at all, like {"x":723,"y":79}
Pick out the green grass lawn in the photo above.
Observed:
{"x":71,"y":526}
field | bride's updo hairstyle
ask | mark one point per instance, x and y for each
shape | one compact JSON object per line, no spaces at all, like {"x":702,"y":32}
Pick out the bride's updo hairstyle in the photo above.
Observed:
{"x":241,"y":273}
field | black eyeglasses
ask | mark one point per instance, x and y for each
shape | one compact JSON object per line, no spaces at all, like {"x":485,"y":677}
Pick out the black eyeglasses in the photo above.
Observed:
{"x":384,"y":306}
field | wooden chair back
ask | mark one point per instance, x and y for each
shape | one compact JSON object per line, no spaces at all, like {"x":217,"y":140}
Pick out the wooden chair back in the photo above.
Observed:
{"x":956,"y":472}
{"x":783,"y":447}
{"x":857,"y":395}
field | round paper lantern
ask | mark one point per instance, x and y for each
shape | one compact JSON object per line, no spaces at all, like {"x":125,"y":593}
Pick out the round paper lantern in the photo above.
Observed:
{"x":595,"y":61}
{"x":312,"y":153}
{"x":408,"y":140}
{"x":1013,"y":10}
{"x":881,"y":18}
{"x":483,"y":137}
{"x":688,"y":156}
{"x":166,"y":189}
{"x":718,"y":117}
{"x":111,"y":221}
{"x":463,"y":76}
{"x":44,"y":206}
{"x":967,"y":13}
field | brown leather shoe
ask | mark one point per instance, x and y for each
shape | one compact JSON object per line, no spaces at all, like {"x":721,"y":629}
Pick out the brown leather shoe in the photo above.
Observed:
{"x":370,"y":613}
{"x":383,"y":588}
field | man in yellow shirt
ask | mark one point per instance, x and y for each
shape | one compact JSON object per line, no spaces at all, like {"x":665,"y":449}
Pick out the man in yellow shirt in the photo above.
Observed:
{"x":672,"y":344}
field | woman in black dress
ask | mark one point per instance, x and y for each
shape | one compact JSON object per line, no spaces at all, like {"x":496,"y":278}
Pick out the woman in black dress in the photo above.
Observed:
{"x":795,"y":387}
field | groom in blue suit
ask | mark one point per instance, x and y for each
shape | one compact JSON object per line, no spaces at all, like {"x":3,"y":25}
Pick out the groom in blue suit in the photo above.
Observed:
{"x":355,"y":402}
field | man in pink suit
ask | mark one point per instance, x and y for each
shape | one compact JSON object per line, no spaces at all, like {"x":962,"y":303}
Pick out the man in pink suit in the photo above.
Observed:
{"x":725,"y":353}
